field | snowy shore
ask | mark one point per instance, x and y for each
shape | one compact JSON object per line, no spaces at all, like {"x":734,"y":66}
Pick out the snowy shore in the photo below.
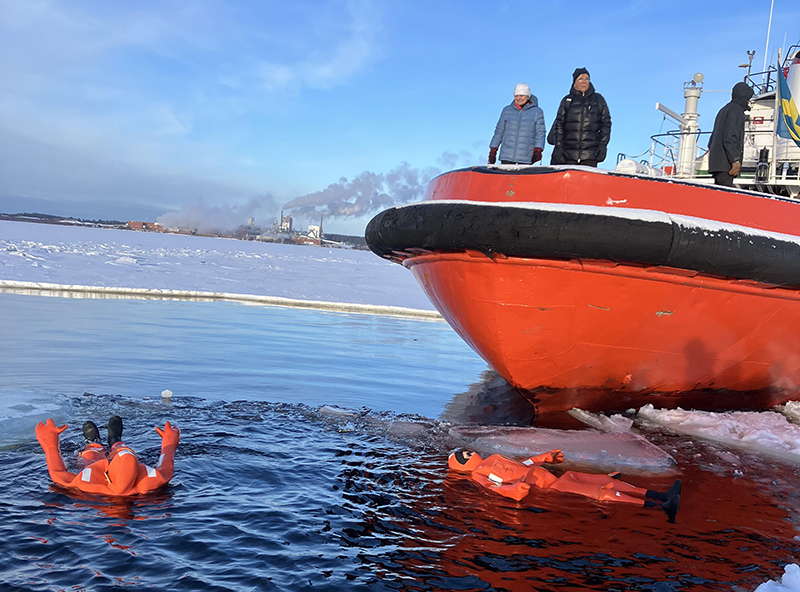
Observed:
{"x":35,"y":256}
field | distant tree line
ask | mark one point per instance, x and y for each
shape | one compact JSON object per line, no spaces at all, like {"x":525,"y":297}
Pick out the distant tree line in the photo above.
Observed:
{"x":358,"y":242}
{"x":51,"y":219}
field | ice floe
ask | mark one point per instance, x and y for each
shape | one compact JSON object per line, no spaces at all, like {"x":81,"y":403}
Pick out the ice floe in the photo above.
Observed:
{"x":789,"y":581}
{"x":584,"y":447}
{"x":765,"y":432}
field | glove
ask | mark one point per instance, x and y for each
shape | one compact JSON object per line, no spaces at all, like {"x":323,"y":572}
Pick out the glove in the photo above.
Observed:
{"x":492,"y":155}
{"x":169,"y":435}
{"x":47,"y":434}
{"x":537,"y":155}
{"x":735,"y":168}
{"x":554,"y":456}
{"x":601,"y":153}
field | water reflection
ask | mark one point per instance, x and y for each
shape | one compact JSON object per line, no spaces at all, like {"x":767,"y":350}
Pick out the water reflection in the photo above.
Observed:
{"x":141,"y":507}
{"x":449,"y":534}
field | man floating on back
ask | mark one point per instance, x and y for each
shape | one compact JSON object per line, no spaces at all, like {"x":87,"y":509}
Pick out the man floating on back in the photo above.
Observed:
{"x":514,"y":480}
{"x":119,"y":473}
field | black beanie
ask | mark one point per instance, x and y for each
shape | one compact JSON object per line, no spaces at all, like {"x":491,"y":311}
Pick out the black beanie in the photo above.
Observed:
{"x":578,"y":72}
{"x":461,"y":458}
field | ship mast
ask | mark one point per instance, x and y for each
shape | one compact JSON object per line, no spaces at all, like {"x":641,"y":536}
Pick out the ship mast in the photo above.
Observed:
{"x":687,"y":144}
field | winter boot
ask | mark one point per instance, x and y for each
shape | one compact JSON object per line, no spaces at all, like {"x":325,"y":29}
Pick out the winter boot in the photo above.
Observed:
{"x":670,"y":493}
{"x":669,"y":501}
{"x":90,"y":432}
{"x":114,"y":430}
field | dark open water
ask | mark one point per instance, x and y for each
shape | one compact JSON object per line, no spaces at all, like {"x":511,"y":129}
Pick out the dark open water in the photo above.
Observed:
{"x":271,"y":492}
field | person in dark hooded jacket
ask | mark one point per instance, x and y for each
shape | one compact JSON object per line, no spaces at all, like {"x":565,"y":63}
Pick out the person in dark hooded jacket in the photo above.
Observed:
{"x":582,"y":128}
{"x":726,"y":146}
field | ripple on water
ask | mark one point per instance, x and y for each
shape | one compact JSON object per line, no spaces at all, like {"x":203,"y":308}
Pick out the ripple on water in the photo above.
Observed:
{"x":272,"y":496}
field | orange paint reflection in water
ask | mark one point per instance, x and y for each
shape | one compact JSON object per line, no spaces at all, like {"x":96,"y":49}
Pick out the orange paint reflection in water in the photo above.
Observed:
{"x":729,"y":531}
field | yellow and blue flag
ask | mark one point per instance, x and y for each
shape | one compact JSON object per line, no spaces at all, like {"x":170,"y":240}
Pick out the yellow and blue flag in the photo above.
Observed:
{"x":788,"y":115}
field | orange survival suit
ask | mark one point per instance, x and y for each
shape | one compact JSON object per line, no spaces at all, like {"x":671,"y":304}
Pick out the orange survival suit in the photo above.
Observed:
{"x":120,"y":474}
{"x":514,"y":480}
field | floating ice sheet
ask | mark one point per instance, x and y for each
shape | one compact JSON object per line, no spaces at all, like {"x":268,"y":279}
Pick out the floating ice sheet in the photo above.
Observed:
{"x":789,"y":581}
{"x":791,"y":410}
{"x":584,"y":447}
{"x":20,"y":411}
{"x":764,"y":432}
{"x":614,"y":423}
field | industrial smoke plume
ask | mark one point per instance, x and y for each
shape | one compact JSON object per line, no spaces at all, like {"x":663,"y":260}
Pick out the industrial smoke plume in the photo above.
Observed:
{"x":212,"y":219}
{"x":366,"y":194}
{"x":369,"y":193}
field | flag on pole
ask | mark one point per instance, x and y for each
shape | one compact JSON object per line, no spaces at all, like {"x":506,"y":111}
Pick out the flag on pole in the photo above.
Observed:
{"x":788,"y":115}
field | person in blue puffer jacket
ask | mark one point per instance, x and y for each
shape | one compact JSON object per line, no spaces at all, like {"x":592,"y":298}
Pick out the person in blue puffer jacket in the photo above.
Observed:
{"x":520,"y":132}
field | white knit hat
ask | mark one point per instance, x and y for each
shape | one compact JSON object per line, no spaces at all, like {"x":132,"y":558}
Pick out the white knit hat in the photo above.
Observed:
{"x":522,"y":89}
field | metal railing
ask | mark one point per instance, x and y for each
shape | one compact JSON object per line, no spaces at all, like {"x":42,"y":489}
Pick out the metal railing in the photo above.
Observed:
{"x":663,"y":154}
{"x":769,"y":78}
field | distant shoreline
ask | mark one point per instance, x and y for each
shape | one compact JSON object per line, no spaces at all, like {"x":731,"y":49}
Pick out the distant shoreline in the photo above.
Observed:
{"x":330,"y":239}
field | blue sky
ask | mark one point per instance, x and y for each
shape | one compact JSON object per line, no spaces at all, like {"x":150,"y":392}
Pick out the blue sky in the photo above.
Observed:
{"x":231,"y":109}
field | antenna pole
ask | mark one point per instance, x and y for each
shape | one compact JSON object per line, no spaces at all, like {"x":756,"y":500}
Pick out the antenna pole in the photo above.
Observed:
{"x":766,"y":49}
{"x":773,"y":166}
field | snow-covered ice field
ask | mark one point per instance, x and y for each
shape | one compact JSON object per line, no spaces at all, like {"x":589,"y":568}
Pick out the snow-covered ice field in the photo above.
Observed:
{"x":144,"y":261}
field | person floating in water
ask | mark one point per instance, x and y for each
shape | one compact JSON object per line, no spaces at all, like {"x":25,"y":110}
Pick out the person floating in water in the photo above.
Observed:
{"x":514,"y":480}
{"x":117,"y":473}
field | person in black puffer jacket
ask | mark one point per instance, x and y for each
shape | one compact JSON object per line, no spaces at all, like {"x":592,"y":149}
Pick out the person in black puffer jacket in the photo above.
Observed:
{"x":726,"y":145}
{"x":582,"y":128}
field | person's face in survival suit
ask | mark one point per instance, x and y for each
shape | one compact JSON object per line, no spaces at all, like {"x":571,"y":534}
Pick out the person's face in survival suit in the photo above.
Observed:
{"x":464,"y":461}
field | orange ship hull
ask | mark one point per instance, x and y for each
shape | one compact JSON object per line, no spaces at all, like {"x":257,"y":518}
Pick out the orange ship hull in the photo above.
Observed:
{"x":609,"y":335}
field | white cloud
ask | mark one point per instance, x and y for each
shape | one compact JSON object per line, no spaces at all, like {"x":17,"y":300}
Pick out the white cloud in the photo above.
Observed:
{"x":169,"y":89}
{"x":276,"y":76}
{"x":329,"y":66}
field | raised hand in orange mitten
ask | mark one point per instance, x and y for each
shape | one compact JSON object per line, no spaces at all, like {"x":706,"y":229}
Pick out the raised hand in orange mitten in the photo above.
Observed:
{"x":170,"y":436}
{"x":47,"y":434}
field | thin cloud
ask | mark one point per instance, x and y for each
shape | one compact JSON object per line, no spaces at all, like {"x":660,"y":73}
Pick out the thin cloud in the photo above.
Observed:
{"x":334,"y":65}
